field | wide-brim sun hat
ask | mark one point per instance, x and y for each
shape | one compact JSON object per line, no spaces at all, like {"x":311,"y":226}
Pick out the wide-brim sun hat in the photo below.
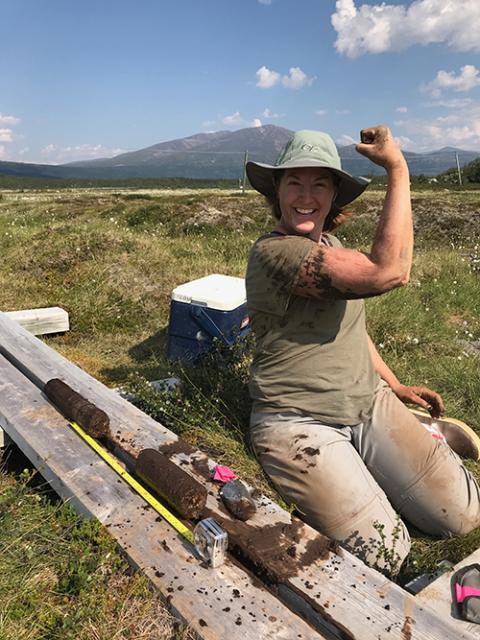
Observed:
{"x":307,"y":149}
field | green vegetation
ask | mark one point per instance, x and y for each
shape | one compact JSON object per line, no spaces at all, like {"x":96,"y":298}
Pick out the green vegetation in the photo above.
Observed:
{"x":470,"y":174}
{"x":62,"y":578}
{"x":10,"y":181}
{"x":111,"y":258}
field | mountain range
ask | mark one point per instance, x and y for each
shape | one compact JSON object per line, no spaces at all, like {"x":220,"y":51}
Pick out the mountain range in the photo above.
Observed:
{"x":221,"y":155}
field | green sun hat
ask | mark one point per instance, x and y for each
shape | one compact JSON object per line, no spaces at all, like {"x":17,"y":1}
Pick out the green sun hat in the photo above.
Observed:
{"x":307,"y":149}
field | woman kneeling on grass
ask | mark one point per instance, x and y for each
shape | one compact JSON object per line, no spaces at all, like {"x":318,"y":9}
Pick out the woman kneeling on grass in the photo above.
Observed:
{"x":328,"y":424}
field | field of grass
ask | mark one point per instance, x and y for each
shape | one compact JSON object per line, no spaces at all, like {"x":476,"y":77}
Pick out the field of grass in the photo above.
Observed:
{"x":111,"y":257}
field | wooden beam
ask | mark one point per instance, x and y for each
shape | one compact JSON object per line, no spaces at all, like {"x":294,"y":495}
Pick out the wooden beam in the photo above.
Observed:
{"x":41,"y":321}
{"x":218,"y":603}
{"x":358,"y":602}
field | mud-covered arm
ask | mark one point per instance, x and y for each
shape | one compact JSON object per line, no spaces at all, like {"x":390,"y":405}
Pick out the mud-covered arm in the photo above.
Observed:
{"x":420,"y":396}
{"x":346,"y":273}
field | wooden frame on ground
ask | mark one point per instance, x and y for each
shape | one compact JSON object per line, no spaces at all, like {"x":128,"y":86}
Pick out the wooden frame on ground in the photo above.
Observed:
{"x":336,"y":592}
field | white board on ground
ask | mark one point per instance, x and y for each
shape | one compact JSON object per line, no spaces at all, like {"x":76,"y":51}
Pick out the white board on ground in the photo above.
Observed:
{"x":218,"y":603}
{"x":358,"y":601}
{"x":41,"y":321}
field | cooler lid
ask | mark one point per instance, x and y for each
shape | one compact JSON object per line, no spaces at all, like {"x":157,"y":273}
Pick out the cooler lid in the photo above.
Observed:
{"x":215,"y":291}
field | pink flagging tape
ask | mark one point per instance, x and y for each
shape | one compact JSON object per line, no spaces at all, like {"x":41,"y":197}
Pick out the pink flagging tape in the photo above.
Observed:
{"x":223,"y":474}
{"x":464,"y":592}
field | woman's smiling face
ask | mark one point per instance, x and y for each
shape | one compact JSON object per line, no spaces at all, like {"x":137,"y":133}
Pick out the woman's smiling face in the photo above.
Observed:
{"x":305,"y":196}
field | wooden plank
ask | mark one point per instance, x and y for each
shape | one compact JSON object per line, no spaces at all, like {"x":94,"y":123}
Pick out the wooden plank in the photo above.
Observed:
{"x":42,"y":321}
{"x":355,"y":600}
{"x":438,"y":594}
{"x":218,"y":603}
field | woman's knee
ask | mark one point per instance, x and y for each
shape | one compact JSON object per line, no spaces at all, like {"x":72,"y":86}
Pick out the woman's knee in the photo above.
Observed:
{"x":455,"y":522}
{"x":445,"y":501}
{"x":320,"y":472}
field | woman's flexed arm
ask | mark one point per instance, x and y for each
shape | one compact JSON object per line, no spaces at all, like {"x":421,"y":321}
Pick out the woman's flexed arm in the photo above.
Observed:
{"x":346,"y":273}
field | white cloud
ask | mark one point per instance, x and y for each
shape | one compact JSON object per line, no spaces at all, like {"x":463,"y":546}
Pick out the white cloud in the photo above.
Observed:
{"x":345,"y":140}
{"x":3,"y":151}
{"x":266,"y":78}
{"x":460,"y":128}
{"x":296,"y":79}
{"x":376,"y":28}
{"x":57,"y":154}
{"x":342,"y":112}
{"x":8,"y":120}
{"x":468,"y":77}
{"x":405,"y":143}
{"x":320,"y":112}
{"x":50,"y":148}
{"x":455,"y":103}
{"x":265,"y":1}
{"x":270,"y":115}
{"x":234,"y":118}
{"x":401,"y":109}
{"x":6,"y":135}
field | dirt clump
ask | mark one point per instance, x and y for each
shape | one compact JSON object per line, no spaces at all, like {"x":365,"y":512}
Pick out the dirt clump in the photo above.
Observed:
{"x":274,"y":551}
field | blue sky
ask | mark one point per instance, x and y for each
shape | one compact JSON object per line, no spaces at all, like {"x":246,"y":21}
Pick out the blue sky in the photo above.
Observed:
{"x":95,"y":78}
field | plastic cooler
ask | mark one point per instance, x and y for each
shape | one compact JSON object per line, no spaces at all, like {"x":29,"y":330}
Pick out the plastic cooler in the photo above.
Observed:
{"x":211,"y":307}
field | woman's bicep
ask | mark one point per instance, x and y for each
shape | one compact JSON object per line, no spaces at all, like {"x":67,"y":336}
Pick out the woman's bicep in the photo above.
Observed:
{"x":334,"y":272}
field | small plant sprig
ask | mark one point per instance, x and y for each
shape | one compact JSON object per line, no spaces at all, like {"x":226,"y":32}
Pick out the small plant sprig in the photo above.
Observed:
{"x":388,"y":559}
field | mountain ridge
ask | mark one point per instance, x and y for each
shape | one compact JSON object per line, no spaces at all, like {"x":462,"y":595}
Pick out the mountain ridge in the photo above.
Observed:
{"x":219,"y":155}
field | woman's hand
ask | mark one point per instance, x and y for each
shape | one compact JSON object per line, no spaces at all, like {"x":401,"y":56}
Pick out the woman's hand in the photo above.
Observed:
{"x":379,"y":146}
{"x":421,"y":396}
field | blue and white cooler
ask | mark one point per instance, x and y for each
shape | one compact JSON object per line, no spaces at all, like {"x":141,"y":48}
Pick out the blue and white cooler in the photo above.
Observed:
{"x":211,"y":307}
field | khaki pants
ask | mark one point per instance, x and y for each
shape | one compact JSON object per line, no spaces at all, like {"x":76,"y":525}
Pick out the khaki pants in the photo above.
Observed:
{"x":355,"y":483}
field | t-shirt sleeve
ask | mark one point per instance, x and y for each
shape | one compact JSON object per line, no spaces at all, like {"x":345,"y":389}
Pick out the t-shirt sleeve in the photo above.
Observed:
{"x":272,"y":271}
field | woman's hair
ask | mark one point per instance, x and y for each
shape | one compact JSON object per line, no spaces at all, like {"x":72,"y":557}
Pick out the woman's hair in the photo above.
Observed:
{"x":335,"y":217}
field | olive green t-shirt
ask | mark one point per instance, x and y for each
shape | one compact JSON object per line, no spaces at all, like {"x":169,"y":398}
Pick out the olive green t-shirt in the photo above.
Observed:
{"x":311,"y":354}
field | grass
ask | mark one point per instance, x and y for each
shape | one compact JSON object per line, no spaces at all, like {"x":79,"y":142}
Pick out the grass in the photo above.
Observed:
{"x":62,"y":578}
{"x":111,"y":258}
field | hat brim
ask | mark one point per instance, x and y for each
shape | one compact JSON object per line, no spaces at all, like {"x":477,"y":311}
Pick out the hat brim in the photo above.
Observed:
{"x":261,"y":178}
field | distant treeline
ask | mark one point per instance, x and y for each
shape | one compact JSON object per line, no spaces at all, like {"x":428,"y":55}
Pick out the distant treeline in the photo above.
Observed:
{"x":470,"y":179}
{"x":27,"y":182}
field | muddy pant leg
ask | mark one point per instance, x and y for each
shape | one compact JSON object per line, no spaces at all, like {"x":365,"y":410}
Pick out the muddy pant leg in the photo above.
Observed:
{"x":423,"y":478}
{"x":316,"y":468}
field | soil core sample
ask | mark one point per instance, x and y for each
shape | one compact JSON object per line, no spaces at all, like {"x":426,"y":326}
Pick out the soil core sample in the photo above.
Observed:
{"x":77,"y":409}
{"x":182,"y":492}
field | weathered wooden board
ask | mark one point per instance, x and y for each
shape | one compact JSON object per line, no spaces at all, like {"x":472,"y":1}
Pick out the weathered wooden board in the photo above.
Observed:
{"x":438,"y":594}
{"x":218,"y":603}
{"x":357,"y":601}
{"x":42,"y":321}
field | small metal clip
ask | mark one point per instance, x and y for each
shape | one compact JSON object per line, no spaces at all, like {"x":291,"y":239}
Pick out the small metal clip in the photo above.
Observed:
{"x":211,"y":541}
